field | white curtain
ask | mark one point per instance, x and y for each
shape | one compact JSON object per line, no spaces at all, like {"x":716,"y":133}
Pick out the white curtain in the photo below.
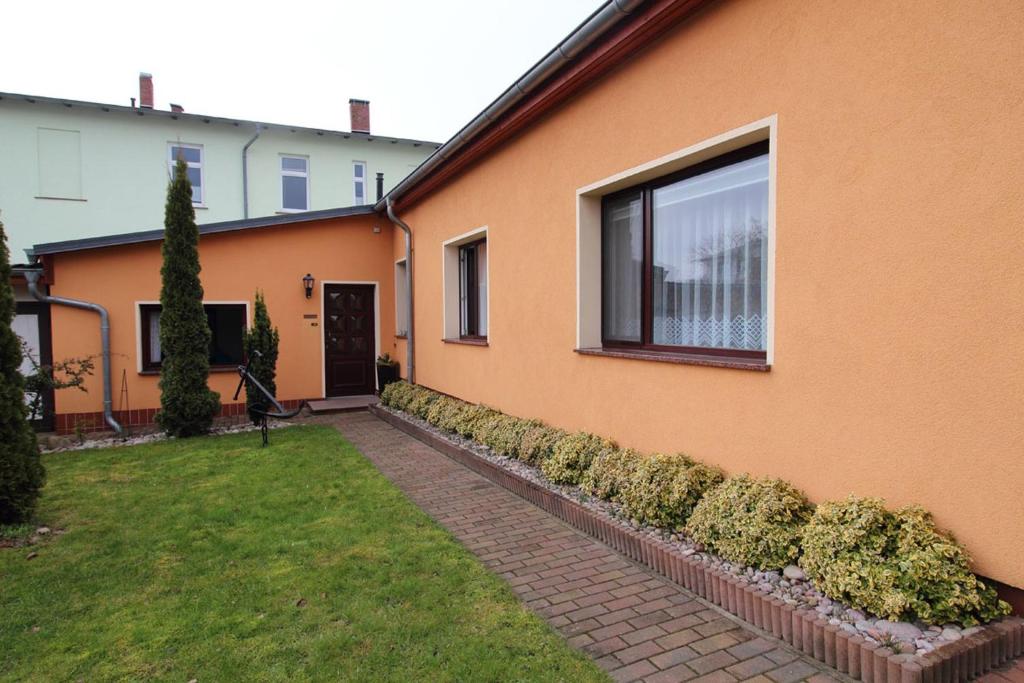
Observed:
{"x":710,"y":255}
{"x":155,"y":355}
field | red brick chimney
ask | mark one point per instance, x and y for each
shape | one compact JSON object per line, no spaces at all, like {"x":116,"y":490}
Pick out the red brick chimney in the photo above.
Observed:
{"x":359,"y":112}
{"x":146,"y":90}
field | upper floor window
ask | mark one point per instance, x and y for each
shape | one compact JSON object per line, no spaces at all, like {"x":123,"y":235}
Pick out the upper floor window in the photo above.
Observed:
{"x":227,"y":323}
{"x":294,"y":183}
{"x":359,"y":182}
{"x":193,"y":156}
{"x":684,"y":259}
{"x":473,"y":290}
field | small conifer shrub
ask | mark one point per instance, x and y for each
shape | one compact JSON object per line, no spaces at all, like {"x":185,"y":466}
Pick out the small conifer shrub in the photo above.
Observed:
{"x":264,"y":338}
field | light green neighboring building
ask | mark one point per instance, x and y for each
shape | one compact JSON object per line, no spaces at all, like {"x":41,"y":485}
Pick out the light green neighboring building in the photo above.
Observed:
{"x":71,"y":170}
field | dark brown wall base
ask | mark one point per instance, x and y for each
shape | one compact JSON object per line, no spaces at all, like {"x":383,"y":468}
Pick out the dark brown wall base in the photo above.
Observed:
{"x":1012,"y":595}
{"x":70,"y":423}
{"x":959,"y":661}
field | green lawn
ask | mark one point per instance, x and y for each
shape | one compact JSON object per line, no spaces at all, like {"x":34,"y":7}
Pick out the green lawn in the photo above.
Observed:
{"x":217,"y":560}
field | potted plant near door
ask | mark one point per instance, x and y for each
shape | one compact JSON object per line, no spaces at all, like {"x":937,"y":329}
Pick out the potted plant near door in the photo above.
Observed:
{"x":387,"y":371}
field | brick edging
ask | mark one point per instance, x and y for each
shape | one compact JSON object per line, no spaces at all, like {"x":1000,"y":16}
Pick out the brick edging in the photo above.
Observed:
{"x":805,"y":630}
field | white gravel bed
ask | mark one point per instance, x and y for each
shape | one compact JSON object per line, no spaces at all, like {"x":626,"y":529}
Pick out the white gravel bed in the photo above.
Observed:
{"x":68,"y":443}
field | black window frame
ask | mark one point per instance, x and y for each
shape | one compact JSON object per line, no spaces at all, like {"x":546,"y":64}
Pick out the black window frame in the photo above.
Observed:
{"x":151,"y":366}
{"x":646,"y":189}
{"x":471,"y":321}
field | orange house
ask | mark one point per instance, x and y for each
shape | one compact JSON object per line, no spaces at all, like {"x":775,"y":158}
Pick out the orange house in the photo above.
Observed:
{"x":783,"y":237}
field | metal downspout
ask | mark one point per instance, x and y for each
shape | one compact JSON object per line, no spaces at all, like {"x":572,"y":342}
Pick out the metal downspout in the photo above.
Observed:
{"x":245,"y":173}
{"x":32,"y":277}
{"x":410,"y":341}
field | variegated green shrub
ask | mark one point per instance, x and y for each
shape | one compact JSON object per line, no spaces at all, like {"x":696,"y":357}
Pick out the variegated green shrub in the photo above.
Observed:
{"x":538,"y":443}
{"x":662,"y":490}
{"x":420,"y":401}
{"x":573,"y":455}
{"x":469,"y":419}
{"x":609,"y":472}
{"x":756,"y":522}
{"x":397,"y":395}
{"x":446,"y":412}
{"x":506,"y":435}
{"x":897,"y":565}
{"x":487,"y":423}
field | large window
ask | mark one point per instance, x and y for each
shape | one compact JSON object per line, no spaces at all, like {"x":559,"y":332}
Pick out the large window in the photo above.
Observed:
{"x":683,"y":259}
{"x":193,"y":156}
{"x":294,"y":183}
{"x":227,"y":323}
{"x":359,"y":182}
{"x":473,"y":290}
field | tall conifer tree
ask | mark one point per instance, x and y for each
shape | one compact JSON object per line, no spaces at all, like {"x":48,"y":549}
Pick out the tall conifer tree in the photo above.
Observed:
{"x":187,"y":405}
{"x":21,"y":472}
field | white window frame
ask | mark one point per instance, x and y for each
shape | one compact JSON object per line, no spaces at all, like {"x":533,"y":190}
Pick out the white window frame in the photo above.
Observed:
{"x":588,"y":222}
{"x":452,"y":271}
{"x":212,"y":302}
{"x":294,"y":174}
{"x":401,"y":302}
{"x":201,"y":165}
{"x":358,"y":182}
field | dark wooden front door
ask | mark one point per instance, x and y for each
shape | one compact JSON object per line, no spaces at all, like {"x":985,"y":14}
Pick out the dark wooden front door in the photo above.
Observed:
{"x":348,"y":340}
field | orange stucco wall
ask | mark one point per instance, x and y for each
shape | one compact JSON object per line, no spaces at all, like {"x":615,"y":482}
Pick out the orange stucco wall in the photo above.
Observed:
{"x":234,"y":265}
{"x":899,"y":316}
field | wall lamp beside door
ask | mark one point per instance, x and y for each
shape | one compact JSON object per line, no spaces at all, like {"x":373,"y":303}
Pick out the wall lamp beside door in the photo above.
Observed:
{"x":307,"y":282}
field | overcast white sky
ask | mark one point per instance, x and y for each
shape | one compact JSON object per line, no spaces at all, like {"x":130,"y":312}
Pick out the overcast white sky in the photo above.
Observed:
{"x":427,"y":66}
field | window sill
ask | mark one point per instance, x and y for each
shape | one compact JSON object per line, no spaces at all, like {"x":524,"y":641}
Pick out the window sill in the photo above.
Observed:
{"x":285,"y":212}
{"x":401,"y":336}
{"x":681,"y":358}
{"x":62,"y":199}
{"x":467,"y":342}
{"x":204,"y":207}
{"x":213,"y":370}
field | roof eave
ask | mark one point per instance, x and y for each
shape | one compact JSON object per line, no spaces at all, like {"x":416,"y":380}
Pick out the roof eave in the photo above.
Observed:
{"x":144,"y":236}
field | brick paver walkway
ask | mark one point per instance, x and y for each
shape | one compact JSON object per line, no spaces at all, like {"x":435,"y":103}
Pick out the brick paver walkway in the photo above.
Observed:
{"x":1013,"y":672}
{"x":637,"y":625}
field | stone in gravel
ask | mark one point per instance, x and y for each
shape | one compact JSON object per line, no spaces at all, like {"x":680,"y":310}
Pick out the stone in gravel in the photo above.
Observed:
{"x":971,"y":631}
{"x":794,"y":573}
{"x":856,"y":615}
{"x":43,"y":530}
{"x":812,"y":601}
{"x":848,"y":627}
{"x":950,"y":634}
{"x":900,"y":629}
{"x":31,"y":556}
{"x":862,"y":624}
{"x":688,"y":552}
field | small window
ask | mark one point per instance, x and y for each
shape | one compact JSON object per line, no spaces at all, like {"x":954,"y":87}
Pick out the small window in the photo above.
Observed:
{"x":359,"y":182}
{"x":193,"y":156}
{"x":294,"y":183}
{"x":684,"y":259}
{"x":401,"y":300}
{"x":227,"y":323}
{"x":473,"y":290}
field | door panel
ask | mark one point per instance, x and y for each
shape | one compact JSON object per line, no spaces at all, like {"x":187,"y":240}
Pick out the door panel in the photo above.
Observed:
{"x":349,"y":341}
